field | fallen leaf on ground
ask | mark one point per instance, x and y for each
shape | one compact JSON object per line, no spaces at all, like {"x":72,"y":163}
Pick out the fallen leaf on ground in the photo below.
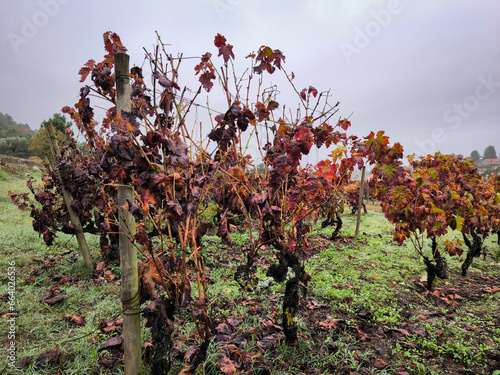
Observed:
{"x":380,"y":364}
{"x":491,"y":290}
{"x":190,"y":354}
{"x":330,"y":323}
{"x":50,"y":357}
{"x":79,"y":321}
{"x":225,"y":365}
{"x":100,"y":266}
{"x":23,"y":363}
{"x":113,"y":342}
{"x":52,"y":296}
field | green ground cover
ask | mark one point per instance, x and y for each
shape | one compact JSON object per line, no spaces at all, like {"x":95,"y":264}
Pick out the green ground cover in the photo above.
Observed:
{"x":364,"y":311}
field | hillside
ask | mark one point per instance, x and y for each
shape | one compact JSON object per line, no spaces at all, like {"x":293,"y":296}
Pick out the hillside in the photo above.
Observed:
{"x":14,"y":137}
{"x":10,"y":128}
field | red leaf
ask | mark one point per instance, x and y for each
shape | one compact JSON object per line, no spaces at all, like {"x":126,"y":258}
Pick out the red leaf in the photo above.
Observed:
{"x":261,"y":111}
{"x":234,"y":322}
{"x":491,"y":278}
{"x":225,"y":365}
{"x":100,"y":266}
{"x":312,"y":304}
{"x":23,"y":363}
{"x":313,"y":91}
{"x":220,"y":40}
{"x":224,"y":329}
{"x":471,"y":328}
{"x":85,"y":70}
{"x":269,"y":326}
{"x":107,"y":326}
{"x":206,"y":80}
{"x":345,"y":124}
{"x":419,"y":332}
{"x":492,"y":289}
{"x":380,"y":364}
{"x":52,"y":296}
{"x":222,"y":231}
{"x":50,"y":357}
{"x":226,"y":50}
{"x":109,"y":275}
{"x":303,"y":94}
{"x":360,"y":334}
{"x":190,"y":354}
{"x":330,"y":323}
{"x":270,"y":342}
{"x":356,"y":357}
{"x":272,"y":105}
{"x":117,"y":172}
{"x":113,"y":342}
{"x":113,"y":44}
{"x":79,"y":321}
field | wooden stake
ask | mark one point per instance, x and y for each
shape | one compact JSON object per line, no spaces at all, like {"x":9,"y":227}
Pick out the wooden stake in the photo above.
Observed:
{"x":128,"y":254}
{"x":360,"y":200}
{"x":75,"y":220}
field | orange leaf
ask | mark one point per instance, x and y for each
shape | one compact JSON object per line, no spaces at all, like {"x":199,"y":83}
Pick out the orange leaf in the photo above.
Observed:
{"x":100,"y":266}
{"x":225,"y":365}
{"x":380,"y":364}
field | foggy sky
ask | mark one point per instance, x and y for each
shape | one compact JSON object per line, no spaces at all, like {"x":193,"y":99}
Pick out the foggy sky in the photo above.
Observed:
{"x":427,"y":72}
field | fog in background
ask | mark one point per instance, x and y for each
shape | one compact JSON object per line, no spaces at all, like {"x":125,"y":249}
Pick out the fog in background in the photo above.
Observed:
{"x":427,"y":72}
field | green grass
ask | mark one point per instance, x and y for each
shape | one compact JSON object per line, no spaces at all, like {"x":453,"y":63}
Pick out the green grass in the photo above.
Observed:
{"x":41,"y":327}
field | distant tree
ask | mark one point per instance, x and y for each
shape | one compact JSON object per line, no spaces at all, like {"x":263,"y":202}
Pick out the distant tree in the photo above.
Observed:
{"x":474,"y":155}
{"x":39,"y":143}
{"x":59,"y":122}
{"x":261,"y":168}
{"x":14,"y":146}
{"x":489,"y":153}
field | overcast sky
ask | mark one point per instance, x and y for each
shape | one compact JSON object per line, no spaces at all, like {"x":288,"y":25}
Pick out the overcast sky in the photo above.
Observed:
{"x":427,"y":72}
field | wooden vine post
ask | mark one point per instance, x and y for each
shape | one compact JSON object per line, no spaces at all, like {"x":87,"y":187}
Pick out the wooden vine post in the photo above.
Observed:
{"x":75,"y":220}
{"x":128,"y":254}
{"x":360,"y":200}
